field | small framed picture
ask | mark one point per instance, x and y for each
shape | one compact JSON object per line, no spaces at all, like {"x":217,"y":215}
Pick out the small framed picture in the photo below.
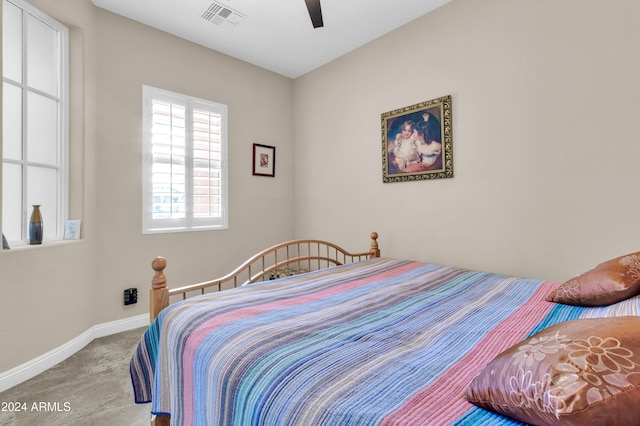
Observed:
{"x":72,"y":230}
{"x":264,"y":160}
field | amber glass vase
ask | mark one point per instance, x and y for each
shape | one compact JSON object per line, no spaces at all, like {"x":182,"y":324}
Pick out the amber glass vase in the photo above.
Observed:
{"x":35,"y":226}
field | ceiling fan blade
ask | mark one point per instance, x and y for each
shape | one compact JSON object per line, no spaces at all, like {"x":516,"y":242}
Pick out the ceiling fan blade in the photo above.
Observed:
{"x":315,"y":12}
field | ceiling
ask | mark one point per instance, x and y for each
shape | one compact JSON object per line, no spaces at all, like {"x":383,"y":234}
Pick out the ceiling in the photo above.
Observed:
{"x":275,"y":34}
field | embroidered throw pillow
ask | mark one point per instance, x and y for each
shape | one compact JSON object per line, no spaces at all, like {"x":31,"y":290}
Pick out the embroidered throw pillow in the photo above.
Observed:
{"x":609,"y":282}
{"x":580,"y":372}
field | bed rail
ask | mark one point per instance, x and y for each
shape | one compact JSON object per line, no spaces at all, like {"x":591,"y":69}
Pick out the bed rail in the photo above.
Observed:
{"x":282,"y":259}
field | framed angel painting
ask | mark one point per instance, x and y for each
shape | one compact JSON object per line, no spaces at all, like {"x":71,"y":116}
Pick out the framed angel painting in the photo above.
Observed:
{"x":417,"y":142}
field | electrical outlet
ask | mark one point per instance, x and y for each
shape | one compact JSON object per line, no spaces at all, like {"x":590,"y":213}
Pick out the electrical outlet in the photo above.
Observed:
{"x":130,"y":296}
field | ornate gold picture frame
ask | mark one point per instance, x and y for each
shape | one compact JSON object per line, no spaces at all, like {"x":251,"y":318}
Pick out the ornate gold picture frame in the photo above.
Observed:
{"x":417,"y":142}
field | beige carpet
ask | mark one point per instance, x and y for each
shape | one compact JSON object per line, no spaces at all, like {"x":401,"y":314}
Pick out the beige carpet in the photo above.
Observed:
{"x":91,"y":387}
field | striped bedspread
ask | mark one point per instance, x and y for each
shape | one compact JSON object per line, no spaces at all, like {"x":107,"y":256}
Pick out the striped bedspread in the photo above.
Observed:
{"x":380,"y":342}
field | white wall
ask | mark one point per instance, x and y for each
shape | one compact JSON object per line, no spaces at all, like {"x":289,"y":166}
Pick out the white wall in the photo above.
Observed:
{"x":545,"y":111}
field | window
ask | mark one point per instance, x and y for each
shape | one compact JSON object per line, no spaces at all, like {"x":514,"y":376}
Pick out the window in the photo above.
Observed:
{"x":34,"y":121}
{"x":184,"y":163}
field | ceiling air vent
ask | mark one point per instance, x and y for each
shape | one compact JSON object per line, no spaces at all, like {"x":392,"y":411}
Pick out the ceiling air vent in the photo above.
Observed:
{"x":220,"y":14}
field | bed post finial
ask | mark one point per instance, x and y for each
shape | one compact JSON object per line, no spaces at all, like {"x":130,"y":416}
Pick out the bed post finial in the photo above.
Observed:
{"x":375,"y":251}
{"x":159,"y":293}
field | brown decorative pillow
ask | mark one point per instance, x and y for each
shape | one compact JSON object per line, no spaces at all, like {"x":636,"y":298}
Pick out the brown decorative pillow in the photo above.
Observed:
{"x":580,"y":372}
{"x":609,"y":282}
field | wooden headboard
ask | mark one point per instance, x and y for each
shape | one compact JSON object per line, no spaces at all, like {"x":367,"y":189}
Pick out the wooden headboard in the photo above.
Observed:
{"x":286,"y":258}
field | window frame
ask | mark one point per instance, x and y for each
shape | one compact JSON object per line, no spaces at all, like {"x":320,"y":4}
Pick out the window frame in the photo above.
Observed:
{"x":189,"y":223}
{"x":62,"y":122}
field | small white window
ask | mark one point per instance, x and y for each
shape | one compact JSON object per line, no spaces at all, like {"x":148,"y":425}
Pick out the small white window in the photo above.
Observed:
{"x":34,"y":121}
{"x":184,"y":164}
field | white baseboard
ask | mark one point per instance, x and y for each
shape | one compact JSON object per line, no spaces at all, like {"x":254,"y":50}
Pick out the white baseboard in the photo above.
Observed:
{"x":32,"y":368}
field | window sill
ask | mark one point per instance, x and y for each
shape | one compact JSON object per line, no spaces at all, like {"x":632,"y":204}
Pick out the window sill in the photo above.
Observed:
{"x":51,"y":243}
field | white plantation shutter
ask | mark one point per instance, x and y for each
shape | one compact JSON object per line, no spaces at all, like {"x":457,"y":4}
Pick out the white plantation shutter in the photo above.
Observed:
{"x":184,"y":163}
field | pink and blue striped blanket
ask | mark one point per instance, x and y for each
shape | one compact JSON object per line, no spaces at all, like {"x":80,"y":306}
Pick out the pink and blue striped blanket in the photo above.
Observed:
{"x":380,"y":342}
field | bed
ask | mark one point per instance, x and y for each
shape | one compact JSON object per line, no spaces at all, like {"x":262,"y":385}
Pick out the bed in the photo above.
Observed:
{"x":322,"y":338}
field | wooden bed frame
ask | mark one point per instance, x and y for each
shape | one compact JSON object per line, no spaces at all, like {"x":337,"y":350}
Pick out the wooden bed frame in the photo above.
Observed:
{"x":287,"y":258}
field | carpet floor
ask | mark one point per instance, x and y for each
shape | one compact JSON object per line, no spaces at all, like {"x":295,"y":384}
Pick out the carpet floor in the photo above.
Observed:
{"x":92,"y":387}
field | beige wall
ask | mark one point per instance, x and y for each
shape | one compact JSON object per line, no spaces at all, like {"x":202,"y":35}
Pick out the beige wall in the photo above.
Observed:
{"x":545,"y":109}
{"x":260,"y":110}
{"x":48,"y":291}
{"x":52,"y":294}
{"x":545,"y":148}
